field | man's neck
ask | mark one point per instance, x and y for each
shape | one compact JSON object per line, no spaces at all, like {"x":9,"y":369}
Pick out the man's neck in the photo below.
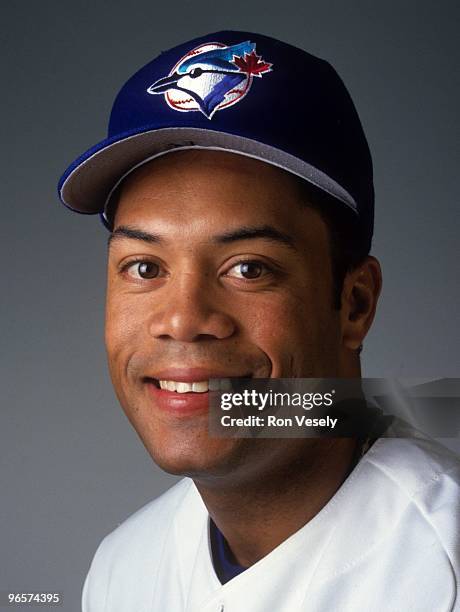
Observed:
{"x":258,"y":515}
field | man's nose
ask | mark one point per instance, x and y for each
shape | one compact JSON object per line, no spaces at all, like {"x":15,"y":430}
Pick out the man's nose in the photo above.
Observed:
{"x":189,"y":310}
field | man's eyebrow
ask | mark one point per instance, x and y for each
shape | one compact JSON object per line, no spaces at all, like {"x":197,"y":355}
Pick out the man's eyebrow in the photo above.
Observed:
{"x":133,"y":233}
{"x":266,"y":232}
{"x":251,"y":232}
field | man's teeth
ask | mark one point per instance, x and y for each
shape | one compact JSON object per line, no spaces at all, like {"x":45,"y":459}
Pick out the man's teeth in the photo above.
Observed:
{"x":201,"y":386}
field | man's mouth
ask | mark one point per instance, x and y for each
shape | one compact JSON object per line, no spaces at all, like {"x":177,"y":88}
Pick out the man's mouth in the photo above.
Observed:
{"x":201,"y":386}
{"x":184,"y":391}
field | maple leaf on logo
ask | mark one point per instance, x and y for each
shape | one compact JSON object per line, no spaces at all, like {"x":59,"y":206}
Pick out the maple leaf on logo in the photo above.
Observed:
{"x":252,"y":64}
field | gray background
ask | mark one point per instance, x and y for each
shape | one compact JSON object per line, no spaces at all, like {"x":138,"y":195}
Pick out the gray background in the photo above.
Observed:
{"x":71,"y":469}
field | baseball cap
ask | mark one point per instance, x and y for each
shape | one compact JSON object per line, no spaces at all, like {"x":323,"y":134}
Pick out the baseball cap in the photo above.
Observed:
{"x":240,"y":92}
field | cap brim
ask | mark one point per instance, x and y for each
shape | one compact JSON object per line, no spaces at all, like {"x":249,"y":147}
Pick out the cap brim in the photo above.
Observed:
{"x":87,"y":184}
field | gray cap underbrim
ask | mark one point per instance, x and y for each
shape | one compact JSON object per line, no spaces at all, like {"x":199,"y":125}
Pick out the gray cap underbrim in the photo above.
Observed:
{"x":88,"y":187}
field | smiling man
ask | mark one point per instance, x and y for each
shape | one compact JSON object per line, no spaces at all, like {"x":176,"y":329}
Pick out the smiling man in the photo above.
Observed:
{"x":240,"y":228}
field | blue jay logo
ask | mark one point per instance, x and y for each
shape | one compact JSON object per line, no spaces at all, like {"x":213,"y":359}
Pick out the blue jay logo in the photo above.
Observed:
{"x":211,"y":77}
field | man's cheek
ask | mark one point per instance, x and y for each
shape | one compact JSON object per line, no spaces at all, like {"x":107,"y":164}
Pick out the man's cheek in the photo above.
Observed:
{"x":122,"y":339}
{"x":280,"y":328}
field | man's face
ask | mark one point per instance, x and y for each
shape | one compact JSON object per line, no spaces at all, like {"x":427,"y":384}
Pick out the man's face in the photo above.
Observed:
{"x":216,"y":269}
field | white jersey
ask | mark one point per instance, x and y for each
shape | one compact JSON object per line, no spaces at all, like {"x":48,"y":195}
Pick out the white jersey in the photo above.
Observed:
{"x":387,"y":541}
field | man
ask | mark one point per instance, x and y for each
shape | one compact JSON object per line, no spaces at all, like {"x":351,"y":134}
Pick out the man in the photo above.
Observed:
{"x":236,"y":182}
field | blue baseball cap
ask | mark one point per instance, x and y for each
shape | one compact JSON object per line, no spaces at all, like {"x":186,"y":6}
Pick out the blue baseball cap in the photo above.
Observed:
{"x":239,"y":92}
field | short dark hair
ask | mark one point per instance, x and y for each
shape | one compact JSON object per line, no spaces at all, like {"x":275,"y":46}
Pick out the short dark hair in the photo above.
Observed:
{"x":348,"y":245}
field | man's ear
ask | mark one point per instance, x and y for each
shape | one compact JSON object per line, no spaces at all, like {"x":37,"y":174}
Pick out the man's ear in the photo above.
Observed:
{"x":361,"y":290}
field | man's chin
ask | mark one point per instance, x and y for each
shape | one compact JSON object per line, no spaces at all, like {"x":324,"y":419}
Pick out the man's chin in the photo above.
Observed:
{"x":192,"y":467}
{"x":195,"y":459}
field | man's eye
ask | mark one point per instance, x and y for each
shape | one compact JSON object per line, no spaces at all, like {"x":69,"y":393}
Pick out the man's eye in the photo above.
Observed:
{"x":143,"y":269}
{"x":248,"y":269}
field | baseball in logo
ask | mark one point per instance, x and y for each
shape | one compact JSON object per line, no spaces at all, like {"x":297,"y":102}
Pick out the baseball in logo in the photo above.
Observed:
{"x":211,"y":77}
